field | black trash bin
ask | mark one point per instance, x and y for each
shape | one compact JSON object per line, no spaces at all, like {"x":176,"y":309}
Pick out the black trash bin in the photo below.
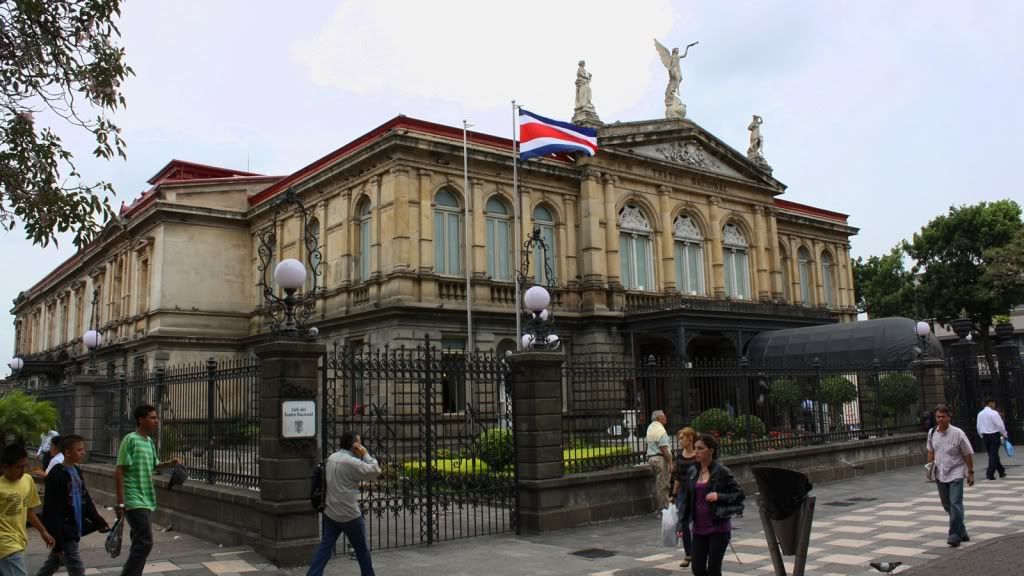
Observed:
{"x":783,"y":493}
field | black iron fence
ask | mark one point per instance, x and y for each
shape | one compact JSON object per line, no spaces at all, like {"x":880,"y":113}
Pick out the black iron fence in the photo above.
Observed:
{"x":751,"y":408}
{"x":209,"y":418}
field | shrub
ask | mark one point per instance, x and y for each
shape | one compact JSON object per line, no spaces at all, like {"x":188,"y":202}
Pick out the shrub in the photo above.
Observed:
{"x":713,"y":421}
{"x":23,"y":418}
{"x":495,"y":448}
{"x":785,"y":393}
{"x":757,"y":427}
{"x":897,"y":390}
{"x":837,"y":390}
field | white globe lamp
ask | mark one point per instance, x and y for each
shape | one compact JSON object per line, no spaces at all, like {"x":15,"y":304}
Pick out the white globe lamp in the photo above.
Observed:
{"x":15,"y":364}
{"x":544,"y":314}
{"x":922,"y":329}
{"x":536,"y":299}
{"x":527,"y":340}
{"x":290,"y":274}
{"x":92,"y":339}
{"x":552,"y":339}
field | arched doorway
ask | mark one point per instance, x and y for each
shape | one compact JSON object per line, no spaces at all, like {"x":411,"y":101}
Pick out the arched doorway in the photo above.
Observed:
{"x":710,"y":346}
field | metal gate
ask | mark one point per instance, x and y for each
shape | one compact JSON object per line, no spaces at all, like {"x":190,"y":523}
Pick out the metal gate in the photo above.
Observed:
{"x":440,"y":424}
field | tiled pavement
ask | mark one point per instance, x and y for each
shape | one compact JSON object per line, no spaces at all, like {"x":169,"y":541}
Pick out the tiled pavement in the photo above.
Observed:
{"x":889,"y":516}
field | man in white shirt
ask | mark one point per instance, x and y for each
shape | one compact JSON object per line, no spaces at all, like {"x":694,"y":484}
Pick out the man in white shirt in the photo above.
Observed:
{"x":344,"y":470}
{"x":951,"y":458}
{"x":993,"y":432}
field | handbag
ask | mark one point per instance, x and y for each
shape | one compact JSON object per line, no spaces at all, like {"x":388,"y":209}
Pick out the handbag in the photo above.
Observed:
{"x":113,"y":542}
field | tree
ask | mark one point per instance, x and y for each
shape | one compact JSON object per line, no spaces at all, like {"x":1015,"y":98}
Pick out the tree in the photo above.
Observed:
{"x":956,"y":251}
{"x":882,"y":287}
{"x":60,"y":58}
{"x":1005,"y":270}
{"x":23,"y":417}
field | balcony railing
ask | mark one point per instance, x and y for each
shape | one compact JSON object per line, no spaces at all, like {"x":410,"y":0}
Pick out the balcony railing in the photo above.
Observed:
{"x":642,"y":303}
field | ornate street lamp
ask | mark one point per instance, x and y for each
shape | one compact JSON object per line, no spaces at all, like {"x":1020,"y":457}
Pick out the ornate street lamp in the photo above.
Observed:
{"x":288,"y":315}
{"x":92,"y":339}
{"x":536,"y":300}
{"x":922,"y":329}
{"x":15,"y":364}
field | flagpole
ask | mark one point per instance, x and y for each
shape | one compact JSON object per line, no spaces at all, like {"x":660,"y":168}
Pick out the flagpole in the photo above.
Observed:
{"x":469,"y":255}
{"x":516,"y":225}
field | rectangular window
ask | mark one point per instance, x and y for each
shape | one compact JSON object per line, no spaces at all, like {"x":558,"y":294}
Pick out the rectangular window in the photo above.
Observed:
{"x":452,"y":374}
{"x":498,"y":266}
{"x":642,"y":271}
{"x":827,"y":273}
{"x":805,"y":283}
{"x":364,"y":251}
{"x":454,"y":236}
{"x":730,"y":273}
{"x":626,"y":262}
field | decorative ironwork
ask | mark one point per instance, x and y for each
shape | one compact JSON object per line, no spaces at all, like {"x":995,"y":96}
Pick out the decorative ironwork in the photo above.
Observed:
{"x":539,"y":325}
{"x":287,"y":316}
{"x":440,"y":425}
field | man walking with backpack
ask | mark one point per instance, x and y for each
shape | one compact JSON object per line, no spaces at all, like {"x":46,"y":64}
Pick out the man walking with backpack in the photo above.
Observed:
{"x":344,"y":470}
{"x":950,"y":459}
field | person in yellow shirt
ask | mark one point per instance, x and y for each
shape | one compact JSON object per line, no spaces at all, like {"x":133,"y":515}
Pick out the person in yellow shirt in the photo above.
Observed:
{"x":18,"y":496}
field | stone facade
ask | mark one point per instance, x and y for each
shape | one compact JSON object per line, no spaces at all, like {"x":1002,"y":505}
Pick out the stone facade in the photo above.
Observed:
{"x":666,"y":241}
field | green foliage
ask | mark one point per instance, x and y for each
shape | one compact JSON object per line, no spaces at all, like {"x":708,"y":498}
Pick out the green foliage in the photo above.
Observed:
{"x":837,"y":390}
{"x":957,"y":249}
{"x":713,"y":421}
{"x":495,"y":447}
{"x":785,"y":392}
{"x":757,"y":427}
{"x":1001,"y":318}
{"x":23,"y":418}
{"x":883,"y":287}
{"x":63,"y":58}
{"x":897,"y":390}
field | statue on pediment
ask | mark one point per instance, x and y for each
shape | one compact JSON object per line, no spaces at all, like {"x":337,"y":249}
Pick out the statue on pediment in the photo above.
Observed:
{"x":755,"y":152}
{"x":584,"y":113}
{"x":674,"y":107}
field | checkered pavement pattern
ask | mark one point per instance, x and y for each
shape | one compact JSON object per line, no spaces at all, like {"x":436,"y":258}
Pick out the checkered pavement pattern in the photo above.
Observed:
{"x":848,"y":534}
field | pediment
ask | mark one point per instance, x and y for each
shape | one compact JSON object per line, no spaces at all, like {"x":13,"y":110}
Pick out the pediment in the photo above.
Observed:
{"x":685,"y":144}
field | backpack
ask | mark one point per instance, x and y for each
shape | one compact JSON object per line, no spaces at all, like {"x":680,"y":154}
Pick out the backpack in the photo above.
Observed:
{"x":318,"y":487}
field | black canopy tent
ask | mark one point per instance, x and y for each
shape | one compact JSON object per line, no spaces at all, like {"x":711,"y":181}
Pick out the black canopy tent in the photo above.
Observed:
{"x":891,"y":341}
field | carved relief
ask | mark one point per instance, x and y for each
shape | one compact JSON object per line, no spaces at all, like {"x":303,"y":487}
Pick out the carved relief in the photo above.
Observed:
{"x":732,"y":236}
{"x":690,"y":154}
{"x":685,"y":228}
{"x":632,"y":218}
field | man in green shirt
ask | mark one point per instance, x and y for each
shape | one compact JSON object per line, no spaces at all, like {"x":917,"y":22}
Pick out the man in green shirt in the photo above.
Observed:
{"x":136,"y":496}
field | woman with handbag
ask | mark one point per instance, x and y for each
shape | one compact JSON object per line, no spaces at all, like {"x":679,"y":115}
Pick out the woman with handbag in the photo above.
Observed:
{"x":685,"y":459}
{"x":711,"y":497}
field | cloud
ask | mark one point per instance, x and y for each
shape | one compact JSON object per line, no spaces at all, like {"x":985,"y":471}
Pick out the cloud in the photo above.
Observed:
{"x":482,"y":57}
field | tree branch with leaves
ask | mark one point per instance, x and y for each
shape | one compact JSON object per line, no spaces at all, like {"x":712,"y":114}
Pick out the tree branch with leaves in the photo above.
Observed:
{"x":61,"y":58}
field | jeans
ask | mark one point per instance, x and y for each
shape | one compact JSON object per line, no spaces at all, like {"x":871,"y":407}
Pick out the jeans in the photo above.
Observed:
{"x":142,"y":541}
{"x":952,"y":496}
{"x":13,"y":565}
{"x":69,"y":556}
{"x":708,"y":553}
{"x":992,"y":445}
{"x":355,"y":531}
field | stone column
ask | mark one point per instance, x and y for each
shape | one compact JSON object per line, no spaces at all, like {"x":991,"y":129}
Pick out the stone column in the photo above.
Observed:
{"x":289,"y":530}
{"x":965,"y":375}
{"x":88,"y":420}
{"x":715,"y":239}
{"x":568,"y":256}
{"x":933,"y":381}
{"x":764,"y":287}
{"x":778,"y":290}
{"x":426,"y":248}
{"x":403,"y":218}
{"x":478,"y":228}
{"x":1010,"y":374}
{"x":537,"y":405}
{"x":668,"y":252}
{"x":593,"y":263}
{"x":611,"y":232}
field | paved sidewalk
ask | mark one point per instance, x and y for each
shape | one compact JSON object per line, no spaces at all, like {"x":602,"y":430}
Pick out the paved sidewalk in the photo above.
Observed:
{"x":888,"y":516}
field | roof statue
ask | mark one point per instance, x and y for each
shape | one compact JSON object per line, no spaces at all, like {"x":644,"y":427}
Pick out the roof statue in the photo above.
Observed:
{"x":674,"y":108}
{"x":755,"y":152}
{"x":584,"y":113}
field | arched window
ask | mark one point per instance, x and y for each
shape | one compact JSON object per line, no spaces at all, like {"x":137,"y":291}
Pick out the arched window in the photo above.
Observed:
{"x":447,"y":234}
{"x":635,"y":251}
{"x":785,"y":262}
{"x":735,"y":256}
{"x":313,"y":232}
{"x":804,"y":265}
{"x":362,"y":259}
{"x":545,"y":222}
{"x":499,"y":239}
{"x":826,"y":278}
{"x":689,"y":251}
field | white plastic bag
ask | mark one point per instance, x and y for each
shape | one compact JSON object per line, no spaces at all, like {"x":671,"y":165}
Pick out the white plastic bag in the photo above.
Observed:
{"x":669,"y":519}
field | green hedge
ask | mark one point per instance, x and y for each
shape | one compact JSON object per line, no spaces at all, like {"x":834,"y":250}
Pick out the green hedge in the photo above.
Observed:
{"x":575,"y":460}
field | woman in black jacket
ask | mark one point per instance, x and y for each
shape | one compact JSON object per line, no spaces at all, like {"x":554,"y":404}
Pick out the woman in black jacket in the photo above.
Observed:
{"x":712,"y":497}
{"x":68,"y":510}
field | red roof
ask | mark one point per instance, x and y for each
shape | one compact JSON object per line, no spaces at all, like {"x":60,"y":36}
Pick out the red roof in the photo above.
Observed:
{"x":182,"y":170}
{"x":811,"y":210}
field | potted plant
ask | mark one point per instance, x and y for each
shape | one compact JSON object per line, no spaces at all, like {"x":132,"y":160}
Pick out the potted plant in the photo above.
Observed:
{"x":1004,"y":329}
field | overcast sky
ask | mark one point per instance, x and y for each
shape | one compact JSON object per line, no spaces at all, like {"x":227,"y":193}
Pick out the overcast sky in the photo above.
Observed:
{"x":888,"y":111}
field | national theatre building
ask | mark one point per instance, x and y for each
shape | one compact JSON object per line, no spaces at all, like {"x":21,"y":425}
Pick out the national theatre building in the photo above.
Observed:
{"x":667,"y":241}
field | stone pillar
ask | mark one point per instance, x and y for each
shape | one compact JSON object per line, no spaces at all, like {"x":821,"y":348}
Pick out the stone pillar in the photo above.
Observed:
{"x":537,"y":405}
{"x":592,"y":264}
{"x":965,"y":361}
{"x":88,"y":421}
{"x":426,"y":225}
{"x":1011,"y":384}
{"x":778,"y":290}
{"x":568,"y":255}
{"x":715,"y":239}
{"x":289,"y":531}
{"x":668,"y":249}
{"x":478,"y":228}
{"x":933,"y":381}
{"x":611,"y":232}
{"x":764,"y":285}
